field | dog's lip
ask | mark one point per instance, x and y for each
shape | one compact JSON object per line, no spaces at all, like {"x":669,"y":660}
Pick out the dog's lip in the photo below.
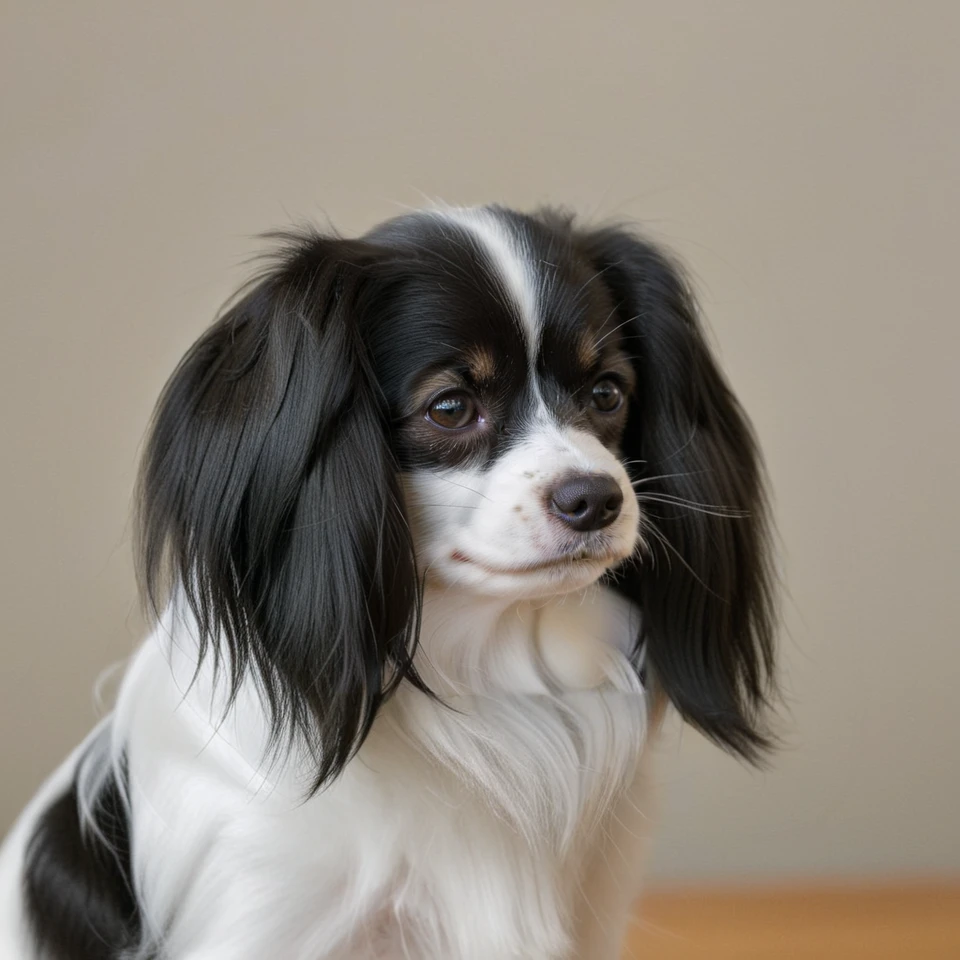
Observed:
{"x":458,"y":556}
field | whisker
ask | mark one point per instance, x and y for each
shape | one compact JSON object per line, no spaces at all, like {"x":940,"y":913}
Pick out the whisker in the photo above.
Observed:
{"x":714,"y":510}
{"x":450,"y":506}
{"x":590,"y":279}
{"x":465,"y":487}
{"x":684,"y":446}
{"x":649,"y":527}
{"x":610,"y":333}
{"x":664,"y":476}
{"x":678,"y":499}
{"x":663,"y":540}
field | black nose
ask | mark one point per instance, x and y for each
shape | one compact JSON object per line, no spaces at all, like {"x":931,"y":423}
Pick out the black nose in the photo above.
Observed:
{"x":589,"y":501}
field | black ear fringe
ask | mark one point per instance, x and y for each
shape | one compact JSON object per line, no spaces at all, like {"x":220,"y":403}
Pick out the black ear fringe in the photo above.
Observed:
{"x":704,"y":580}
{"x":269,"y":501}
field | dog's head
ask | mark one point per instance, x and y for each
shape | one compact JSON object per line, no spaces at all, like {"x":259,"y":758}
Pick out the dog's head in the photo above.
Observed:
{"x":505,"y":404}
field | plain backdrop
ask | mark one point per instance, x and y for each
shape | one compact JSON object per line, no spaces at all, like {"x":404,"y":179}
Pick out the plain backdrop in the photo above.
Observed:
{"x":802,"y":158}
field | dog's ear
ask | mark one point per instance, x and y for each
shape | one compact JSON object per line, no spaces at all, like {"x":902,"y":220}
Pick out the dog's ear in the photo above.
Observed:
{"x":703,"y":580}
{"x":269,"y":499}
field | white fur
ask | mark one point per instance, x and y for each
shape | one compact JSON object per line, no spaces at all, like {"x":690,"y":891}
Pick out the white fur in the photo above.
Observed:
{"x":510,"y":261}
{"x":497,"y":825}
{"x":471,"y":523}
{"x":496,"y":518}
{"x":456,"y":833}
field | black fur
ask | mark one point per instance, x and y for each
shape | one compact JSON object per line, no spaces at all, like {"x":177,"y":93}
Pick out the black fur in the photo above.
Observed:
{"x":705,"y":589}
{"x":429,"y":301}
{"x":270,"y":478}
{"x":270,"y":496}
{"x":269,"y":490}
{"x":78,"y":887}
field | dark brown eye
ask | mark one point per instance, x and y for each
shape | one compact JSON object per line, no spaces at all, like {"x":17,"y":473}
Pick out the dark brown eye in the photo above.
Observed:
{"x":453,"y":411}
{"x":607,"y":396}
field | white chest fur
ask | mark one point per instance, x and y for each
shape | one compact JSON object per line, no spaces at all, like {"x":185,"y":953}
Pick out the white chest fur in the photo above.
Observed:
{"x":467,"y":829}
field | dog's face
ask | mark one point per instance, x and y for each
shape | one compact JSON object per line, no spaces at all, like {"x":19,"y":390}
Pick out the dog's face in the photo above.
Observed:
{"x":509,"y":386}
{"x":506,"y":404}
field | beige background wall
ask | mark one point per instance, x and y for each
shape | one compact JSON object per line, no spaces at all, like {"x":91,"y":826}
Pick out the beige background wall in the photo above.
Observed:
{"x":802,"y":157}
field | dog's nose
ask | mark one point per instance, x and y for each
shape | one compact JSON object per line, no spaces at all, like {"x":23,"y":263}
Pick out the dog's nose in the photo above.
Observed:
{"x":588,"y":501}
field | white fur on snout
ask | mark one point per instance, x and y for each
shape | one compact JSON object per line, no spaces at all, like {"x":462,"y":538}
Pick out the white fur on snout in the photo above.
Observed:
{"x":482,"y":528}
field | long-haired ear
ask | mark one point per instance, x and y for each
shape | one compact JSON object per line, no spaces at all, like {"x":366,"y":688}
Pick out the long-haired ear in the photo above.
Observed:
{"x":269,"y":497}
{"x":703,"y":581}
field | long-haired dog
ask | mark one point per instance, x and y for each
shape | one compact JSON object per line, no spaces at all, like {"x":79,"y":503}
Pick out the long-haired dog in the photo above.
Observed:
{"x":434,"y":523}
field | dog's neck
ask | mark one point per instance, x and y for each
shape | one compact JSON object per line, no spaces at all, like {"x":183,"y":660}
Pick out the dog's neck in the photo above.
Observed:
{"x":471,"y":643}
{"x":497,"y":666}
{"x":540,"y":711}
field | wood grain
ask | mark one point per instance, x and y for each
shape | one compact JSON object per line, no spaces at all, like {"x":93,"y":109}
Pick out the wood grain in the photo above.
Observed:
{"x":915,"y":922}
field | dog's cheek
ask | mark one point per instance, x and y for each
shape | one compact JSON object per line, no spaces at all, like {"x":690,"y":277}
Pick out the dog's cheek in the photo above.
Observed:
{"x":439,"y":503}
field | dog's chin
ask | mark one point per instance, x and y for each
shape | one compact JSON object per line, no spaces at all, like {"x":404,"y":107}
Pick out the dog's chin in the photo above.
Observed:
{"x":536,"y":579}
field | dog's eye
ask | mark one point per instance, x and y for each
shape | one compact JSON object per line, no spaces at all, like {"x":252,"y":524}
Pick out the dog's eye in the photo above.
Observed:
{"x":453,"y":411}
{"x":607,"y":396}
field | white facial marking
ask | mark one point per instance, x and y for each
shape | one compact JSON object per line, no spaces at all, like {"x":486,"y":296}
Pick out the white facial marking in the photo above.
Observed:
{"x":493,"y":531}
{"x":511,"y":262}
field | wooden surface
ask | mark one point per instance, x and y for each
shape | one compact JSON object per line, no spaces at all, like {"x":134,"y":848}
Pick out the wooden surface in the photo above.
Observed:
{"x":920,"y":922}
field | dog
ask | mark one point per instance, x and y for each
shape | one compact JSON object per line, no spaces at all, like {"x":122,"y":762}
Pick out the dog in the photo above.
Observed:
{"x":434,"y":524}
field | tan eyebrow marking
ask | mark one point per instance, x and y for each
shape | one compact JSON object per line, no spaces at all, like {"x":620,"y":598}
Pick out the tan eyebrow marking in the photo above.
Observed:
{"x":587,"y":353}
{"x":481,"y":363}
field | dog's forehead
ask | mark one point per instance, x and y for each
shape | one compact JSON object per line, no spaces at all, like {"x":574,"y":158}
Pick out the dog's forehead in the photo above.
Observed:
{"x":501,"y":286}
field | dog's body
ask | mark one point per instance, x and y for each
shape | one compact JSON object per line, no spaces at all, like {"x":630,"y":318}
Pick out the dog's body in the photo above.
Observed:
{"x":460,"y":854}
{"x":395,"y":706}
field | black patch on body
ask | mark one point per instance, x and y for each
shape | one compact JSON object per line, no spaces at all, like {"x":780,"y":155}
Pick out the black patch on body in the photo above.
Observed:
{"x":77,"y":883}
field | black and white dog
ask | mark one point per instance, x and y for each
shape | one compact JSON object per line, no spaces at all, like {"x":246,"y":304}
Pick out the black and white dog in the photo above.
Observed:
{"x":435,"y":522}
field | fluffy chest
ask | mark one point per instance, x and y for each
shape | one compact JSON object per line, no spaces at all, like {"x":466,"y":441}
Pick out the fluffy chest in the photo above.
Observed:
{"x":463,"y":828}
{"x":500,"y":799}
{"x":477,"y":852}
